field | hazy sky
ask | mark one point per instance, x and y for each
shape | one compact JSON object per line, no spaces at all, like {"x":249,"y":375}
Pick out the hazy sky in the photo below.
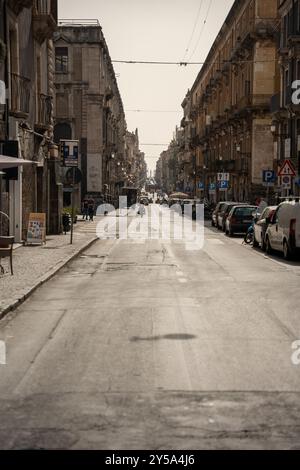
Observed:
{"x":154,"y":30}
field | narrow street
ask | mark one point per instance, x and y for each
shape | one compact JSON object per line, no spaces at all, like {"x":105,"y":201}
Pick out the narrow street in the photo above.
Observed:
{"x":150,"y":346}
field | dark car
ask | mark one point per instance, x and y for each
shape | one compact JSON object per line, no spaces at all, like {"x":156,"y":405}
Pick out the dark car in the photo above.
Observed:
{"x":214,"y":216}
{"x":224,"y":212}
{"x":239,"y":219}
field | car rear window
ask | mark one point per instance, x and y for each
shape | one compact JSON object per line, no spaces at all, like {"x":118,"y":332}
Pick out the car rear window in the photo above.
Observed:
{"x":244,"y":211}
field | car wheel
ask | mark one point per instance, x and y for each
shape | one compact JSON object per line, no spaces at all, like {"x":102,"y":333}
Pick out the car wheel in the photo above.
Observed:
{"x":286,"y":251}
{"x":212,"y":223}
{"x":268,"y":246}
{"x":263,"y":245}
{"x":255,"y":242}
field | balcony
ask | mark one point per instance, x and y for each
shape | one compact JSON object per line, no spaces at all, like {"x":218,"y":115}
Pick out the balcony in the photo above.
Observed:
{"x":17,"y":5}
{"x":20,"y":95}
{"x":44,"y":19}
{"x":44,"y":111}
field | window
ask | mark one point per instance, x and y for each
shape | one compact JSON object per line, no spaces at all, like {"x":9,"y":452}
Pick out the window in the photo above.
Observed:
{"x":61,"y":59}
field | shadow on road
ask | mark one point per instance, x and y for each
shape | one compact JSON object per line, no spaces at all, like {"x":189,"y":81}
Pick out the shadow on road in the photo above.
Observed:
{"x":161,"y":337}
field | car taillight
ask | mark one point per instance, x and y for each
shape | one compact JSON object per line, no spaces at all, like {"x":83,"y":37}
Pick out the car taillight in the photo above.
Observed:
{"x":293,"y":228}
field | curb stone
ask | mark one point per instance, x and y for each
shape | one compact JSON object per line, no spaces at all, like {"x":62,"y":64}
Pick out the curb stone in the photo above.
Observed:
{"x":46,"y":277}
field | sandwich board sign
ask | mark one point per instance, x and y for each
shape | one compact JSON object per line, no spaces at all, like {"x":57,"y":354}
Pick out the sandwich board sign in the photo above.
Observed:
{"x":36,"y":232}
{"x":287,"y":169}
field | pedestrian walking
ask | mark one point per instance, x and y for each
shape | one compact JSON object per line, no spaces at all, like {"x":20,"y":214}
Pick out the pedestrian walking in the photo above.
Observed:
{"x":91,"y":205}
{"x":142,"y":210}
{"x":85,"y":209}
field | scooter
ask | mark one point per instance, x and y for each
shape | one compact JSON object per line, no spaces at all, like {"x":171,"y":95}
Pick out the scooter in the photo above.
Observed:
{"x":249,"y":237}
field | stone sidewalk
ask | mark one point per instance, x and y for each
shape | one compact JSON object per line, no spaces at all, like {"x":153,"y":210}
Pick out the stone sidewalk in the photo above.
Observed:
{"x":34,"y":265}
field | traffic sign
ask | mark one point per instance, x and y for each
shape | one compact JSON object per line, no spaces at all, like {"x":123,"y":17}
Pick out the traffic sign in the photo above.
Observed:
{"x":269,"y":176}
{"x":200,"y":185}
{"x":286,"y":182}
{"x":287,"y":169}
{"x":69,"y":152}
{"x":73,"y":175}
{"x":223,"y":177}
{"x":223,"y":185}
{"x":212,"y":188}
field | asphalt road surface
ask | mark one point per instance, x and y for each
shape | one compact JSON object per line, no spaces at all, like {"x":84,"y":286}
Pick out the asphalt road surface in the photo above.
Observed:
{"x":147,"y":345}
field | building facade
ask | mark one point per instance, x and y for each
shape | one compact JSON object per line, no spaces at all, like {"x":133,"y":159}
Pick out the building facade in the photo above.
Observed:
{"x":229,"y":125}
{"x":26,"y":119}
{"x":135,"y":168}
{"x":286,"y":113}
{"x":89,"y":107}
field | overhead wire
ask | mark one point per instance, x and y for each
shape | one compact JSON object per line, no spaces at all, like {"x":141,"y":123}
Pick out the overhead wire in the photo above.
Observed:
{"x":202,"y":30}
{"x":151,"y":111}
{"x":193,"y":31}
{"x":149,"y":62}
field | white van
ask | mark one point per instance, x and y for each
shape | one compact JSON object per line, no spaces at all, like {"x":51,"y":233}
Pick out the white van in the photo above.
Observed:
{"x":283,"y":232}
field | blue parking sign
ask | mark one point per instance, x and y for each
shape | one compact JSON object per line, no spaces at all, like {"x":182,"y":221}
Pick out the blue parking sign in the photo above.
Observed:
{"x":269,"y":176}
{"x":223,"y":185}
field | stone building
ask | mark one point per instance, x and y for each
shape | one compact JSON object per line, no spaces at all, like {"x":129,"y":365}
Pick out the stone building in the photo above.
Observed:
{"x":26,"y":119}
{"x":135,"y":167}
{"x":168,"y":168}
{"x":286,"y":114}
{"x":230,"y":102}
{"x":89,"y":107}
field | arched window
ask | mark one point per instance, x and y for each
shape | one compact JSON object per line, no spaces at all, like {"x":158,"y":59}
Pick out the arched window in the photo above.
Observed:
{"x":62,"y":131}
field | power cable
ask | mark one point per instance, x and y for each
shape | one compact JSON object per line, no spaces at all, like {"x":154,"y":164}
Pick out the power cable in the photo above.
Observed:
{"x":150,"y":111}
{"x":193,"y":32}
{"x":202,"y":30}
{"x":149,"y":62}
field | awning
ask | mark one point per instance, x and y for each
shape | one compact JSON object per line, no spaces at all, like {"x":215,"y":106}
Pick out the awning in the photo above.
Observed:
{"x":11,"y":162}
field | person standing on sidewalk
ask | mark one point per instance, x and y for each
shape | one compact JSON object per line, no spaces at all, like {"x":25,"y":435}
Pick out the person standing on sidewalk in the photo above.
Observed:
{"x":85,"y":209}
{"x":91,"y":205}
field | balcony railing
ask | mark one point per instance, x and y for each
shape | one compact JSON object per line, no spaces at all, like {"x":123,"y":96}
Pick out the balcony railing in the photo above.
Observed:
{"x":44,"y":110}
{"x":44,"y":19}
{"x":20,"y":94}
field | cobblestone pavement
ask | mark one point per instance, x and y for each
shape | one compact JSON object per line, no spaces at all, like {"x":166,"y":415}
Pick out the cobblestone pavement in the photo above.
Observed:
{"x":33,"y":264}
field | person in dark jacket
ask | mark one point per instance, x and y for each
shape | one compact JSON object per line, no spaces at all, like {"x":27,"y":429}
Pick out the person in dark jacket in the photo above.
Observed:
{"x":85,"y":209}
{"x":91,"y":205}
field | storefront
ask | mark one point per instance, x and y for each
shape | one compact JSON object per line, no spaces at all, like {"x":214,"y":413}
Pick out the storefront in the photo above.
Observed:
{"x":11,"y":195}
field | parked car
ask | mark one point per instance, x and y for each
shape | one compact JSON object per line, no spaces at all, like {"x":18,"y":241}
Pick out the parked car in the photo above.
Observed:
{"x":283,"y":232}
{"x":261,"y":222}
{"x":214,"y":216}
{"x":239,"y":219}
{"x":224,"y":212}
